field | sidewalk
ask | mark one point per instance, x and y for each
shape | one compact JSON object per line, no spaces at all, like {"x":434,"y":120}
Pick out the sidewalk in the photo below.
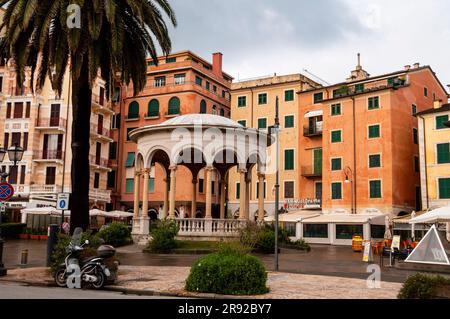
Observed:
{"x":169,"y":281}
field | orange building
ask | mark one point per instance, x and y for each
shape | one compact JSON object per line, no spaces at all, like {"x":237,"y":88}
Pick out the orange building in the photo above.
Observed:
{"x":181,"y":83}
{"x":359,"y":148}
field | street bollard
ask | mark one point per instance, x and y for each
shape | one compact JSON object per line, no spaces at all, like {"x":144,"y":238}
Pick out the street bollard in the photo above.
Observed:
{"x":53,"y":231}
{"x":24,"y":257}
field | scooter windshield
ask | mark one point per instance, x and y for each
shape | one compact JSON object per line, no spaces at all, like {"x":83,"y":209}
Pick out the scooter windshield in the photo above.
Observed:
{"x":76,"y":237}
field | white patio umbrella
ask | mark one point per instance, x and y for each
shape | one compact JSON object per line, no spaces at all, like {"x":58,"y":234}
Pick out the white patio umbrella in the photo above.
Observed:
{"x":387,"y":232}
{"x":439,"y":215}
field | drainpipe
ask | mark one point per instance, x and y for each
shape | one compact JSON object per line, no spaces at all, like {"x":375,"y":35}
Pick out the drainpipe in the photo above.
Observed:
{"x":251,"y":111}
{"x":354,"y":156}
{"x":426,"y":161}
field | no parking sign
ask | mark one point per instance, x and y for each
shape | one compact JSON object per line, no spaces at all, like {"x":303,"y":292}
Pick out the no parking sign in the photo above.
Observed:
{"x":6,"y":191}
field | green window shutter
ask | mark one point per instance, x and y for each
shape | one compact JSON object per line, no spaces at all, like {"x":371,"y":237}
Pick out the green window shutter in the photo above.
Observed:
{"x":289,"y":160}
{"x":289,"y":95}
{"x":129,"y":185}
{"x":238,"y":190}
{"x":153,"y":108}
{"x":440,"y":120}
{"x":242,"y":101}
{"x":336,"y":109}
{"x":336,"y":136}
{"x":374,"y":161}
{"x":133,"y":110}
{"x":174,"y":106}
{"x":336,"y":191}
{"x":318,"y":97}
{"x":200,"y":185}
{"x":444,"y":188}
{"x":262,"y":124}
{"x":243,"y":123}
{"x":375,"y":189}
{"x":289,"y":121}
{"x":374,"y":103}
{"x":151,"y":63}
{"x":171,"y":60}
{"x":374,"y":131}
{"x":208,"y":85}
{"x":151,"y":185}
{"x":359,"y":88}
{"x":203,"y":107}
{"x":414,"y":109}
{"x":198,"y":80}
{"x":336,"y":164}
{"x":415,"y":136}
{"x":443,"y":153}
{"x":262,"y":99}
{"x":130,"y":159}
{"x":425,"y":91}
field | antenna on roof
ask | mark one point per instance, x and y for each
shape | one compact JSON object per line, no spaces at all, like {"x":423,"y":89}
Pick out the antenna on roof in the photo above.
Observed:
{"x":317,"y":78}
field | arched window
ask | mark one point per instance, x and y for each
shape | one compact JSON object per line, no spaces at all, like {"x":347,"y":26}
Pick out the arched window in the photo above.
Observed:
{"x":203,"y":107}
{"x":214,"y":110}
{"x":222,"y":112}
{"x":174,"y":106}
{"x":153,"y":108}
{"x":133,"y":110}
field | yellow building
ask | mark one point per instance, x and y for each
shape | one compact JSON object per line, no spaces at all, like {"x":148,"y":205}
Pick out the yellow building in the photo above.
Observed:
{"x":434,"y":141}
{"x":253,"y":105}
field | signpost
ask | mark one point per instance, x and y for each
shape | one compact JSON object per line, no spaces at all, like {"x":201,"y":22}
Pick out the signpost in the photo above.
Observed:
{"x":6,"y":192}
{"x":62,"y":204}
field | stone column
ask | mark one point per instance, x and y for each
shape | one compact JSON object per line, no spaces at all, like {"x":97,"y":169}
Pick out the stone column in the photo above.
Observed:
{"x":261,"y":178}
{"x":136,"y":194}
{"x":166,"y":198}
{"x":145,"y":193}
{"x":243,"y":188}
{"x":222,"y":199}
{"x":208,"y":181}
{"x":194,"y":198}
{"x":248,"y":194}
{"x":173,"y":180}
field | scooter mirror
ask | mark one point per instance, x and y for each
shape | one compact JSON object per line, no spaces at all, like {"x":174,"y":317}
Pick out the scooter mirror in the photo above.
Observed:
{"x":86,"y":242}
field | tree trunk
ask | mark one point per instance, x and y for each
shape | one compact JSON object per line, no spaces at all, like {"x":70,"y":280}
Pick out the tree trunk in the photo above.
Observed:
{"x":80,"y":174}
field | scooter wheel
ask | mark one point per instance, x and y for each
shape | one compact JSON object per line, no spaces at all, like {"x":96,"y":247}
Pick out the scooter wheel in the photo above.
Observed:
{"x":60,"y":278}
{"x":100,"y":280}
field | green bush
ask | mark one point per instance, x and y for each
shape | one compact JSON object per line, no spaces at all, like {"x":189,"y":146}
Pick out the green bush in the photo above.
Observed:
{"x":266,"y":241}
{"x":163,"y":237}
{"x":249,"y":235}
{"x":116,"y":234}
{"x":12,"y":230}
{"x":422,"y":286}
{"x":301,"y":245}
{"x":228,"y":272}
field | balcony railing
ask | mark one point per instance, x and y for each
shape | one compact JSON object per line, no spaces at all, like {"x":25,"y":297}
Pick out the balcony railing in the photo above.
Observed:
{"x":313,"y":130}
{"x":100,"y":195}
{"x":45,"y":189}
{"x":197,"y":227}
{"x":96,"y":129}
{"x":311,"y":171}
{"x":102,"y":102}
{"x":48,"y":155}
{"x":95,"y":160}
{"x":53,"y":122}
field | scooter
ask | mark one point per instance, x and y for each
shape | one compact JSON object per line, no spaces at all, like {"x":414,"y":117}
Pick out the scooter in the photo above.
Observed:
{"x":75,"y":273}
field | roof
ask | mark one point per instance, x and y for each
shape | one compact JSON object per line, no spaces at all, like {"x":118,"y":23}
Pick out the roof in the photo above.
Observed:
{"x":443,"y":108}
{"x":347,"y":219}
{"x":201,"y":119}
{"x":294,"y":216}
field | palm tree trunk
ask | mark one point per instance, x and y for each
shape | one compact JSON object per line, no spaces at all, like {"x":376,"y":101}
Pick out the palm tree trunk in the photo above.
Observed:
{"x":80,"y":174}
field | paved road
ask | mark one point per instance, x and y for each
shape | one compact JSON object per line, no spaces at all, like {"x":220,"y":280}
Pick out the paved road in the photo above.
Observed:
{"x":17,"y":291}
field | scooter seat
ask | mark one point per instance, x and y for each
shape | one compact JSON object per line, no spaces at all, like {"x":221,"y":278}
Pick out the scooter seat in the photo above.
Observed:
{"x":86,"y":260}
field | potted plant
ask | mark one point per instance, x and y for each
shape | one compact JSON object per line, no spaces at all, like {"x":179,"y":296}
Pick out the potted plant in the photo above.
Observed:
{"x":34,"y":234}
{"x":25,"y":235}
{"x":43,"y":234}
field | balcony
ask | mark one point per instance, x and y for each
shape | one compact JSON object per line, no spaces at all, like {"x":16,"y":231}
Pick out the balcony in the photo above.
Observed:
{"x":101,"y":105}
{"x":313,"y":130}
{"x":99,"y":163}
{"x":101,"y":133}
{"x":51,"y":124}
{"x":45,"y":189}
{"x":48,"y":156}
{"x":100,"y":195}
{"x":311,"y":171}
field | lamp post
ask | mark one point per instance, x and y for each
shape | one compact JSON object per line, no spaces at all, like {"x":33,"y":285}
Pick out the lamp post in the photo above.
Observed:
{"x":15,"y":154}
{"x":349,"y":180}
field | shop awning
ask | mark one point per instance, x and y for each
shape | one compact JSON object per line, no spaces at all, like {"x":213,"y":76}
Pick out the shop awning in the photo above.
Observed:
{"x":405,"y":219}
{"x":294,"y":216}
{"x":346,"y":219}
{"x":314,"y":113}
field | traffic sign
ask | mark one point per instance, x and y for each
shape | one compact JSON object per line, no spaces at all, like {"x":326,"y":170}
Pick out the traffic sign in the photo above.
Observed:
{"x":6,"y":191}
{"x":63,"y":201}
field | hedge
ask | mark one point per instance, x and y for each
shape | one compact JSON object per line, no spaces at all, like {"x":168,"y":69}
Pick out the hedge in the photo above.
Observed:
{"x":12,"y":230}
{"x":422,"y":286}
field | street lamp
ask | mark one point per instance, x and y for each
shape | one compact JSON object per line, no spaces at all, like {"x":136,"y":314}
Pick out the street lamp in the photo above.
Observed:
{"x":349,"y":180}
{"x":15,"y":154}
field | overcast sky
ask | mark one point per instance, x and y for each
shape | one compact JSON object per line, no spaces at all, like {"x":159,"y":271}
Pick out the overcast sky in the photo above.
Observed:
{"x":261,"y":37}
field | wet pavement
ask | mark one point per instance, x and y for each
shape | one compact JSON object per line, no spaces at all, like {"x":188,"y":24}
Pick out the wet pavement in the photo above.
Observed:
{"x":339,"y":261}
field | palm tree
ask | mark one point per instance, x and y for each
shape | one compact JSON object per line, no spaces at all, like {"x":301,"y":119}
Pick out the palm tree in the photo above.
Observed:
{"x":115,"y":37}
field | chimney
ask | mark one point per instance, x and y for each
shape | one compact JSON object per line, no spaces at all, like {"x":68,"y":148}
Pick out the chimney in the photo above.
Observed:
{"x":407,"y":67}
{"x":217,"y":64}
{"x":437,"y":104}
{"x":416,"y":65}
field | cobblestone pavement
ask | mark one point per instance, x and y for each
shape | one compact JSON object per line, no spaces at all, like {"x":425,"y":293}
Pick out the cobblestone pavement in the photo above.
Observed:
{"x":170,"y":281}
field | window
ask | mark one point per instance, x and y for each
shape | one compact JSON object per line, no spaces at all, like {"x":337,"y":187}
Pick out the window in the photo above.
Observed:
{"x":374,"y":131}
{"x":415,"y":136}
{"x":440,"y":120}
{"x":289,"y":121}
{"x":222,"y":112}
{"x":6,"y":141}
{"x":318,"y":97}
{"x":1,"y":83}
{"x":262,"y":124}
{"x":315,"y":230}
{"x":348,"y":231}
{"x":198,"y":80}
{"x":133,"y":110}
{"x":153,"y":108}
{"x":416,"y":164}
{"x":96,"y":180}
{"x":425,"y":91}
{"x":289,"y":95}
{"x":223,"y":94}
{"x":15,"y":138}
{"x":28,"y":110}
{"x":335,"y":109}
{"x":414,"y":109}
{"x":129,"y":131}
{"x":374,"y":103}
{"x":257,"y":189}
{"x":444,"y":188}
{"x":25,"y":141}
{"x":336,"y":190}
{"x":50,"y":176}
{"x":289,"y":160}
{"x":113,"y":151}
{"x":151,"y":63}
{"x":13,"y":174}
{"x":214,"y":88}
{"x":180,"y":79}
{"x":288,"y":189}
{"x":377,"y":231}
{"x":111,"y":179}
{"x":160,"y":81}
{"x":115,"y":121}
{"x":8,"y":110}
{"x":212,"y":188}
{"x":174,"y":106}
{"x":374,"y":161}
{"x":375,"y":189}
{"x":443,"y":153}
{"x":22,"y":174}
{"x":208,"y":85}
{"x":130,"y":160}
{"x":201,"y":185}
{"x":336,"y":136}
{"x":242,"y":101}
{"x":214,"y":110}
{"x":262,"y":98}
{"x":359,"y":88}
{"x":151,"y":185}
{"x":238,"y":190}
{"x":336,"y":164}
{"x":203,"y":107}
{"x":129,"y":186}
{"x":18,"y":110}
{"x":242,"y":122}
{"x":171,"y":60}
